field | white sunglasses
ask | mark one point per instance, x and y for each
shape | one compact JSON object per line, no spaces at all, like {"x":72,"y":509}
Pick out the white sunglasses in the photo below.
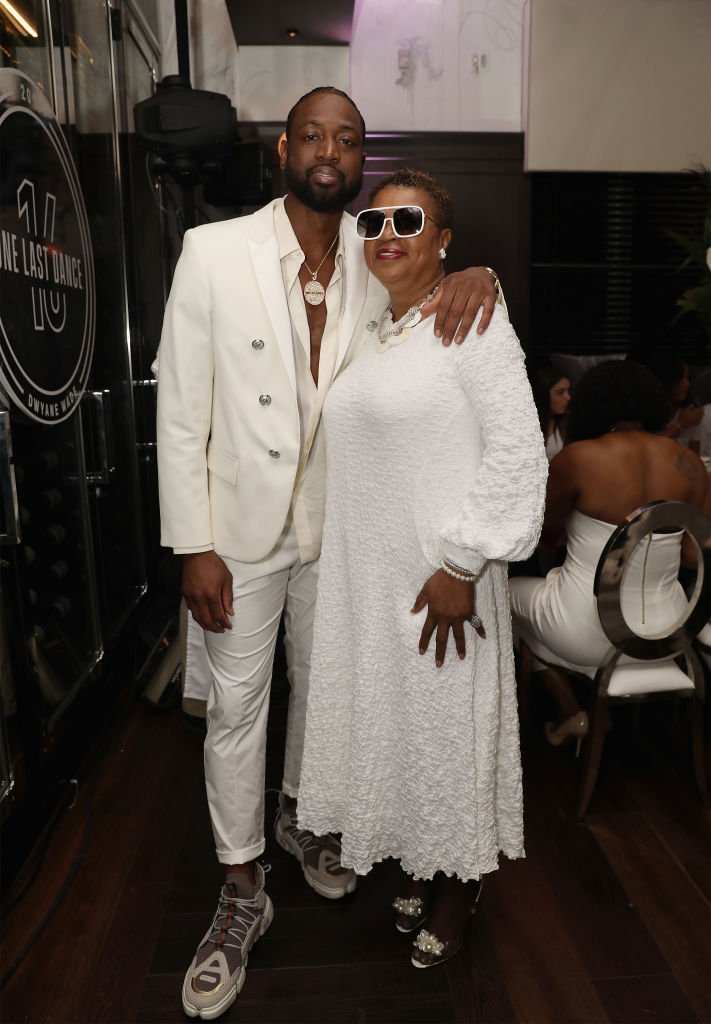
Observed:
{"x":407,"y":221}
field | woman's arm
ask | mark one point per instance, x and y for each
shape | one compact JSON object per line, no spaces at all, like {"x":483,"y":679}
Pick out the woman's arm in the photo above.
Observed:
{"x":501,"y":517}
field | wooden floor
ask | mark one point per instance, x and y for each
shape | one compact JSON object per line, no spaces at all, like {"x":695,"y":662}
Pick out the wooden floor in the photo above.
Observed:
{"x":604,"y":921}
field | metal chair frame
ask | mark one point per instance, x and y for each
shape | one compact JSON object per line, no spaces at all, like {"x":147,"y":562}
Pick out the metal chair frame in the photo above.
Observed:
{"x":675,"y":643}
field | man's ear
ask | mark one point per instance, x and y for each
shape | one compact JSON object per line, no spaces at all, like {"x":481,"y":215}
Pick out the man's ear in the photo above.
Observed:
{"x":282,"y":148}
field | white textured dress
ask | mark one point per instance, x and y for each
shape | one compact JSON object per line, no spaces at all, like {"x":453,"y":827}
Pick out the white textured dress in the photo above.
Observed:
{"x":557,"y":616}
{"x":430,"y":452}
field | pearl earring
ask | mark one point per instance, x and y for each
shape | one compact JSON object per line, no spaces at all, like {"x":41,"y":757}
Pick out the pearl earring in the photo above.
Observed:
{"x":443,"y":253}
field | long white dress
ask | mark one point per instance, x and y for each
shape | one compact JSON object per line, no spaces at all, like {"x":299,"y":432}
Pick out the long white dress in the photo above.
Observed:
{"x":430,"y":452}
{"x":557,"y":616}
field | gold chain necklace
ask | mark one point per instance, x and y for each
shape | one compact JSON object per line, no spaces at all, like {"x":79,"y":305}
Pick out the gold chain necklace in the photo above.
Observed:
{"x":314,"y":292}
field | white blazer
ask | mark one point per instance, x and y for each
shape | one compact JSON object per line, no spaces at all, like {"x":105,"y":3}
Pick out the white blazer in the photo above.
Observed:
{"x":226,"y":462}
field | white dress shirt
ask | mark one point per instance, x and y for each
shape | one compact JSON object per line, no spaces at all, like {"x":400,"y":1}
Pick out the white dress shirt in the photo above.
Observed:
{"x":307,"y":506}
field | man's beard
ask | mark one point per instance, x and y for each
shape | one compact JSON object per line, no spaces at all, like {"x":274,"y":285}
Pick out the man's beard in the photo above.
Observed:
{"x":301,"y":187}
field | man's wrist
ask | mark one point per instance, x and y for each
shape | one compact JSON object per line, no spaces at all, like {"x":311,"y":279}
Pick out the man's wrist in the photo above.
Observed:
{"x":494,"y":279}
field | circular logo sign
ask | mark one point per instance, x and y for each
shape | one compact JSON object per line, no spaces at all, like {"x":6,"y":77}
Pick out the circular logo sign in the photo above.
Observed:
{"x":47,"y":294}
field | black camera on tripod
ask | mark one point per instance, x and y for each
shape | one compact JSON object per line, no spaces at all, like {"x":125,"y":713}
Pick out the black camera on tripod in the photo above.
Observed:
{"x":193,"y":137}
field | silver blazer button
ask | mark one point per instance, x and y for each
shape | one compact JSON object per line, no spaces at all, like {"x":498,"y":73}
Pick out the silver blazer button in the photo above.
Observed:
{"x":274,"y":455}
{"x":265,"y":399}
{"x":257,"y":343}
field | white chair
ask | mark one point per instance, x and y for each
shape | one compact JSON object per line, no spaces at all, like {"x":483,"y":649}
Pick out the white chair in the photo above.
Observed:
{"x":664,"y":664}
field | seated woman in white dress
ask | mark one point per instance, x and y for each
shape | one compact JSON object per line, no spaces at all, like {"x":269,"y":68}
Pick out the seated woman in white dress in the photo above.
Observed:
{"x":434,"y":481}
{"x":613,"y":463}
{"x":551,"y":393}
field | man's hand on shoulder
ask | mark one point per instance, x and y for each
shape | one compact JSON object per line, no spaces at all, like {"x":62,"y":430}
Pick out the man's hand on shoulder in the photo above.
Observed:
{"x":207,"y":589}
{"x":457,"y":303}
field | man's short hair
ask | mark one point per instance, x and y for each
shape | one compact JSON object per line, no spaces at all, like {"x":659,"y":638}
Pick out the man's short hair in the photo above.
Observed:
{"x":314,"y":92}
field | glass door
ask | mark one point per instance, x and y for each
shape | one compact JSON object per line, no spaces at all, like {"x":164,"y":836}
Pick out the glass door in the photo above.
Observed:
{"x":47,"y":322}
{"x":88,"y":90}
{"x":147,"y":236}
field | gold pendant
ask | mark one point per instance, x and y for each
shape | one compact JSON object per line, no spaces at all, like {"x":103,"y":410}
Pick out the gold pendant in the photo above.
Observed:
{"x":314,"y":293}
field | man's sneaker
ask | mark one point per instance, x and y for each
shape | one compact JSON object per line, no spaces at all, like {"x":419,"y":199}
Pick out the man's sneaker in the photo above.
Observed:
{"x":217,"y":972}
{"x":319,"y":856}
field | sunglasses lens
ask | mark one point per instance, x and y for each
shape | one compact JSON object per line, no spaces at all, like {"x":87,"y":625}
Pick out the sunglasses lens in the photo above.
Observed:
{"x":370,"y":223}
{"x":408,"y":220}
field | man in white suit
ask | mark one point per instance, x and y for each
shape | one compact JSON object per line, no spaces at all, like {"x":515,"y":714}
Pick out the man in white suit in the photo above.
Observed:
{"x":264,"y":311}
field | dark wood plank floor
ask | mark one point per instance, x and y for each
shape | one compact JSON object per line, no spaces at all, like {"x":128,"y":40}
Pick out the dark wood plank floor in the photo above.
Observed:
{"x":604,"y":921}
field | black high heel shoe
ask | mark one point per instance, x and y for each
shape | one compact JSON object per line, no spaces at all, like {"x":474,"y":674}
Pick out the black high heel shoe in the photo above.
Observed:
{"x":412,"y":911}
{"x":429,"y":951}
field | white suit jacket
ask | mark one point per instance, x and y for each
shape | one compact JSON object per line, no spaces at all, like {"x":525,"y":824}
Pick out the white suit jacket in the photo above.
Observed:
{"x":226,"y":461}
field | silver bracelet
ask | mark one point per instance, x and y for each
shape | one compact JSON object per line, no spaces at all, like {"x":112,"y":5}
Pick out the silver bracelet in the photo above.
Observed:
{"x":457,"y":572}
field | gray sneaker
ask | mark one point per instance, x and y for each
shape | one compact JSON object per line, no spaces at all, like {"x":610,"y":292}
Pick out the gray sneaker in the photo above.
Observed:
{"x":217,"y":973}
{"x":319,"y":856}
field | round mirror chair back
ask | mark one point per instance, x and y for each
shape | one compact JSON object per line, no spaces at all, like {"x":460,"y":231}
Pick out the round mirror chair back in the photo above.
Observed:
{"x":658,"y":516}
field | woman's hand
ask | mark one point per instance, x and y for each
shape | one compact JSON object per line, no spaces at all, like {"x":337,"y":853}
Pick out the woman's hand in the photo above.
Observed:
{"x":457,"y":301}
{"x":450,"y":603}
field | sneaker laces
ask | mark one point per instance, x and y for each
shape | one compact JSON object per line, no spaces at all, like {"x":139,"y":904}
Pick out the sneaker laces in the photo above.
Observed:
{"x":228,"y":923}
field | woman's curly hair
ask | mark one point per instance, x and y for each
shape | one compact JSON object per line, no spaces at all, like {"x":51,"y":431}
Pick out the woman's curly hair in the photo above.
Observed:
{"x":614,"y":391}
{"x":407,"y":177}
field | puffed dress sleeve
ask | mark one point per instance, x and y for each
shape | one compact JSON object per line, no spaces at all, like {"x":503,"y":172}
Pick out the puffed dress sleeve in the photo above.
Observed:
{"x":501,"y":517}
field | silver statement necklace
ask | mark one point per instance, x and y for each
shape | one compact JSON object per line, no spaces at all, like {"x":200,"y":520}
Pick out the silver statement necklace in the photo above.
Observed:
{"x":314,"y":292}
{"x":407,"y":320}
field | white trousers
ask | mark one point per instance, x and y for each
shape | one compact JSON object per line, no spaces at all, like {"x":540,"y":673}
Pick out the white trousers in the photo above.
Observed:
{"x":241,"y":662}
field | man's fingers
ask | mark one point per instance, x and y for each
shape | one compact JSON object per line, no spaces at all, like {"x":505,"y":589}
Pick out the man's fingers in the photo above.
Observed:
{"x":200,"y":611}
{"x":209,"y":613}
{"x":218,"y":614}
{"x":426,"y":634}
{"x":435,"y":306}
{"x":466,"y":322}
{"x":455,"y":313}
{"x":227,"y":600}
{"x":487,"y":311}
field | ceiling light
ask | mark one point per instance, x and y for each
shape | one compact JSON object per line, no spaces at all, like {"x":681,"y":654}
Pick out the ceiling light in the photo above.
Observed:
{"x":292,"y":33}
{"x":18,"y":19}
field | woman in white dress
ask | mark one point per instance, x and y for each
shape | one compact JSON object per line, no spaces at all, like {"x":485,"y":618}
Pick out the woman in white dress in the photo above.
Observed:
{"x":433,"y":484}
{"x":613,"y":463}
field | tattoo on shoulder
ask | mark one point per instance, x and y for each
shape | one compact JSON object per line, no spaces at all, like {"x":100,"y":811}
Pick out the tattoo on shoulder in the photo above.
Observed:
{"x":687,"y":465}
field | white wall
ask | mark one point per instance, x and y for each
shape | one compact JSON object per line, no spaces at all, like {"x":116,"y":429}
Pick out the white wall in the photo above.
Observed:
{"x":464,"y":57}
{"x":272,"y":78}
{"x":214,"y":59}
{"x":619,"y":85}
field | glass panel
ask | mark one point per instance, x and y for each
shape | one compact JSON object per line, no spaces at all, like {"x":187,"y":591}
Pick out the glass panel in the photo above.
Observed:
{"x":107,"y":409}
{"x":7,"y":701}
{"x":47,"y":331}
{"x":56,"y":556}
{"x":148,"y":260}
{"x":23,"y":42}
{"x":148,"y":9}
